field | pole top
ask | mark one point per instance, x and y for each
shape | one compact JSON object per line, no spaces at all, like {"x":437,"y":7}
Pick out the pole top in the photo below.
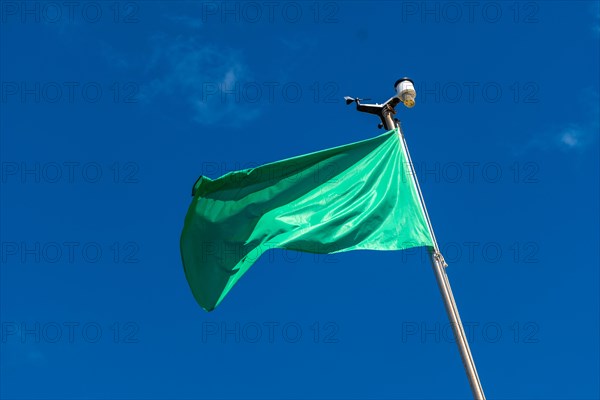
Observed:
{"x":402,"y":80}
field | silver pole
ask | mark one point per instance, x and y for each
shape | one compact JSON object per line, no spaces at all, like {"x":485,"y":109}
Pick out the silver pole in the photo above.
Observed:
{"x":457,"y":327}
{"x":439,"y":269}
{"x":386,"y":112}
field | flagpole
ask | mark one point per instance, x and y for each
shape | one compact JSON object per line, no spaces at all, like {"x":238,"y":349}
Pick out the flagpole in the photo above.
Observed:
{"x":439,"y":269}
{"x":406,"y":94}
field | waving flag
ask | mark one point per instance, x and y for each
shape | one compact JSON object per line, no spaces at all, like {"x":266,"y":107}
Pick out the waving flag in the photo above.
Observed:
{"x":352,"y":197}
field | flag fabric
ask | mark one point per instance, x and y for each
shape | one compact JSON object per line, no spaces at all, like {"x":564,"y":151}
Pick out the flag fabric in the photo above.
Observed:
{"x":357,"y":196}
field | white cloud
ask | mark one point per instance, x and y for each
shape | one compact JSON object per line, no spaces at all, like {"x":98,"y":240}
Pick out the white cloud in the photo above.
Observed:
{"x":206,"y":78}
{"x":181,"y":71}
{"x":570,"y":137}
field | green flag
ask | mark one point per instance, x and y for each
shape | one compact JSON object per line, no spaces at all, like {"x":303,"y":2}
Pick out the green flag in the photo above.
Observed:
{"x":356,"y":196}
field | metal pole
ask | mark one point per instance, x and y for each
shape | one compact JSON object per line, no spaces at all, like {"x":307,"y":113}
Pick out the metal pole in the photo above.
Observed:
{"x":438,"y":264}
{"x":386,"y":112}
{"x":457,"y":327}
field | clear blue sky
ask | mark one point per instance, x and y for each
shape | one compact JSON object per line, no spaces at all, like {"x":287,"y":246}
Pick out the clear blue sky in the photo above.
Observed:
{"x":111,"y":110}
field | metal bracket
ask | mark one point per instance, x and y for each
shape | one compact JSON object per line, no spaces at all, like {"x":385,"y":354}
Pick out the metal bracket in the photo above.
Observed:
{"x":384,"y":111}
{"x":440,"y":258}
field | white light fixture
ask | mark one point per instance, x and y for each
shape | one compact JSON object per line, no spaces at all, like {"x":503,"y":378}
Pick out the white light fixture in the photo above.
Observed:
{"x":405,"y":91}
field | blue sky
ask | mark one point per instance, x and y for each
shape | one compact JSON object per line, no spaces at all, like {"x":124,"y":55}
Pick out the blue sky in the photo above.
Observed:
{"x":111,"y":110}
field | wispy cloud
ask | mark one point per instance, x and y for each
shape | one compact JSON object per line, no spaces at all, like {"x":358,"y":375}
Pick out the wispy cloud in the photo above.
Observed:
{"x":187,"y":73}
{"x":573,"y":137}
{"x":112,"y":56}
{"x":206,"y":78}
{"x":570,"y":137}
{"x":194,"y":23}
